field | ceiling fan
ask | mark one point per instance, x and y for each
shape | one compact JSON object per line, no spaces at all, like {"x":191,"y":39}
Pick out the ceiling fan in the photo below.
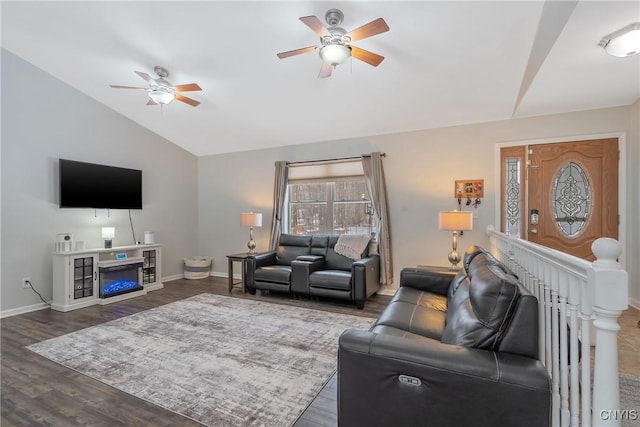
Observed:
{"x":336,"y":47}
{"x":161,"y":91}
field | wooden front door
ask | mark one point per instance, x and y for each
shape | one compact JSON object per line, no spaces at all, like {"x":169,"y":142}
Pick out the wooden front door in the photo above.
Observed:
{"x":573,"y":190}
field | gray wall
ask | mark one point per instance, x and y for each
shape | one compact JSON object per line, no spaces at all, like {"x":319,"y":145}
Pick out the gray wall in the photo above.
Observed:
{"x":420,"y":170}
{"x":43,"y":119}
{"x":193,"y":204}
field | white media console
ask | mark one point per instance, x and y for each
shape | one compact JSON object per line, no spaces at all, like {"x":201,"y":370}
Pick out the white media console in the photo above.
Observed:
{"x":102,"y":276}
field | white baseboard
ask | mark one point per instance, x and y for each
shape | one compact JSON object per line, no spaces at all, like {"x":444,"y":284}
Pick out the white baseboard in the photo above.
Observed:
{"x":634,"y":303}
{"x":225,"y":275}
{"x":41,"y":306}
{"x":173,"y":277}
{"x":23,"y":310}
{"x":217,"y":274}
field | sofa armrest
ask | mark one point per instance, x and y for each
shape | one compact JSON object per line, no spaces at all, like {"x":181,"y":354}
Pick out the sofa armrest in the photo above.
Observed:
{"x":434,"y":281}
{"x":365,"y":276}
{"x":257,"y":261}
{"x":263,"y":259}
{"x":388,"y":379}
{"x":301,"y":268}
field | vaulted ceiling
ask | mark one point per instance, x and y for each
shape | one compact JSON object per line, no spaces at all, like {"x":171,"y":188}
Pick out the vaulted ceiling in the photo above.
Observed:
{"x":446,"y":63}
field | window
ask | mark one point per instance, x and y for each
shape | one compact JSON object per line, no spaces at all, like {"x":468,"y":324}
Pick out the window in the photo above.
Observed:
{"x":329,"y":206}
{"x":512,"y":160}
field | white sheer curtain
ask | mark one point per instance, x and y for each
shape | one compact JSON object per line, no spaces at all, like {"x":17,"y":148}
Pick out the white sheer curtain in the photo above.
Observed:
{"x":372,"y":165}
{"x":279,"y":191}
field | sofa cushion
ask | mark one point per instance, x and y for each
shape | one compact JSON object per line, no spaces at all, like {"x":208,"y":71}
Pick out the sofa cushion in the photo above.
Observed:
{"x":418,"y":319}
{"x":292,"y":246}
{"x":421,"y":298}
{"x":273,"y":274}
{"x":334,"y":260}
{"x":470,"y":254}
{"x":479,"y":310}
{"x":331,"y":279}
{"x":319,"y":244}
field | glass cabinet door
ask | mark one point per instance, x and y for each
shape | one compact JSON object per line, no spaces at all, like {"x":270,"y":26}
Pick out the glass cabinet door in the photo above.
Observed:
{"x":149,"y":266}
{"x":83,"y":277}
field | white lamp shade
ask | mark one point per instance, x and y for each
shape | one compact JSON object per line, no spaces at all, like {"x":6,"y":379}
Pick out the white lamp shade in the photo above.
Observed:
{"x":455,"y":220}
{"x":251,"y":219}
{"x":108,"y":232}
{"x":161,"y":96}
{"x":334,"y":54}
{"x":624,"y":42}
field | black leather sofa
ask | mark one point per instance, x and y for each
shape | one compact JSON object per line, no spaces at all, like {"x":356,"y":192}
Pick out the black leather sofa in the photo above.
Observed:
{"x":309,"y":265}
{"x":448,"y":352}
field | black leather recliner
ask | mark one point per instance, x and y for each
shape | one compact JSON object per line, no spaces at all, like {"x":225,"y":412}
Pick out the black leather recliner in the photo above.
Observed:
{"x":445,"y":352}
{"x":272,"y":270}
{"x":309,"y":265}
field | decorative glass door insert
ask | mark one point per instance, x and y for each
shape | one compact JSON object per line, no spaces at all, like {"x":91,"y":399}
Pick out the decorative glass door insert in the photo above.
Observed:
{"x":571,"y":199}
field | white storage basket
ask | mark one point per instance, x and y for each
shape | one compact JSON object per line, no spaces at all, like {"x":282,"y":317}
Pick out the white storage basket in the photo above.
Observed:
{"x":197,"y":267}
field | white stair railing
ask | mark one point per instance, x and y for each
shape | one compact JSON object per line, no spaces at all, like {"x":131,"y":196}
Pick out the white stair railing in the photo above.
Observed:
{"x":574,"y":295}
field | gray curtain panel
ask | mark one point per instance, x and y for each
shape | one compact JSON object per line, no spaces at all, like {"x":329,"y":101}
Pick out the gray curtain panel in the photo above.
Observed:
{"x":374,"y":175}
{"x":279,"y":190}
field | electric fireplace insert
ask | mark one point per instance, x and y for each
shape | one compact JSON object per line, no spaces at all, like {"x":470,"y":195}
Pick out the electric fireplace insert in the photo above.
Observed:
{"x":120,"y":279}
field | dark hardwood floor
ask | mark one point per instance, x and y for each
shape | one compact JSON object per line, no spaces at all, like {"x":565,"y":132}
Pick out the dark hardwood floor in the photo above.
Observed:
{"x":38,"y":392}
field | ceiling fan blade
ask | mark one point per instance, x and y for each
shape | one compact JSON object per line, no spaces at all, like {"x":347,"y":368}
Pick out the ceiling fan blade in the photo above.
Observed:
{"x":127,"y":87}
{"x":325,"y":70}
{"x":316,"y":25}
{"x":367,"y":30}
{"x":187,"y":88}
{"x":186,"y":100}
{"x":366,"y":56}
{"x":145,"y":76}
{"x":152,"y":102}
{"x":283,"y":55}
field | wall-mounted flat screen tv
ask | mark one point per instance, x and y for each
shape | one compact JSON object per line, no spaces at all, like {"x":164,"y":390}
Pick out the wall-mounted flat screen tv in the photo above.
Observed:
{"x":88,"y":185}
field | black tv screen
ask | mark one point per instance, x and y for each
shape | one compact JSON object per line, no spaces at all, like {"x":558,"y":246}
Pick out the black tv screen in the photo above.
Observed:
{"x":88,"y":185}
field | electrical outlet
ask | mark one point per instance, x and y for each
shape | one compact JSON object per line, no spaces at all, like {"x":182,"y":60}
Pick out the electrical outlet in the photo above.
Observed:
{"x":25,"y":283}
{"x":476,"y":214}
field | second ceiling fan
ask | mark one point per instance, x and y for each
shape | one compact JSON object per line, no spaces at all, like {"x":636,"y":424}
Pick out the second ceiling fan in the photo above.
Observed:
{"x":336,"y":47}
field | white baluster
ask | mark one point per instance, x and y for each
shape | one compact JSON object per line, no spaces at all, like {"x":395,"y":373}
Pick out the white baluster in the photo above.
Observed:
{"x":609,"y":295}
{"x":548,"y":359}
{"x":585,"y":335}
{"x":555,"y":346}
{"x":563,"y":292}
{"x":574,"y":350}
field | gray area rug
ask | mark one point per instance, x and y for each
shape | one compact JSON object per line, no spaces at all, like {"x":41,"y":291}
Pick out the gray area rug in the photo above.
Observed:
{"x":218,"y":360}
{"x":630,"y":399}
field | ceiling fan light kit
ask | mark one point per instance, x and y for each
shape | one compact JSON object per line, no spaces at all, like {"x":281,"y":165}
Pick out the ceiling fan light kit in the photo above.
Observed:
{"x":334,"y":54}
{"x":335,"y":43}
{"x":624,"y":42}
{"x":160,"y":96}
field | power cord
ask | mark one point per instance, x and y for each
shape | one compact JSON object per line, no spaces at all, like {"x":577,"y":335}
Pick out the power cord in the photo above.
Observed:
{"x":132,"y":232}
{"x":34,"y":290}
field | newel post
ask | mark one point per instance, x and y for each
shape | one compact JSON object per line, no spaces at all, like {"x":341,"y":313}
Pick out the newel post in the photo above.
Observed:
{"x":608,"y":288}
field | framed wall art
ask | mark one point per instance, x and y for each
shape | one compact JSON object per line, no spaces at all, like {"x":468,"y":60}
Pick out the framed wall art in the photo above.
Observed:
{"x":469,"y":188}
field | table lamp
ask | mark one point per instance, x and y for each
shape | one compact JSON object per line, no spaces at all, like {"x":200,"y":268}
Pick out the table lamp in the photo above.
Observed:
{"x":108,"y":233}
{"x":455,"y":221}
{"x":251,"y":220}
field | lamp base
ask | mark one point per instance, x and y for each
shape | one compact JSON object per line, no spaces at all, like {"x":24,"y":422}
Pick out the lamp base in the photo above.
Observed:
{"x":252,"y":244}
{"x":454,"y":259}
